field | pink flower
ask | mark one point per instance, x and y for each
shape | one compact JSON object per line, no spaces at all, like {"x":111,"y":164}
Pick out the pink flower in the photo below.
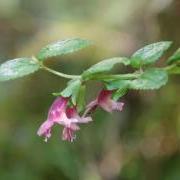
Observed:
{"x":105,"y":102}
{"x":60,"y":114}
{"x":55,"y":113}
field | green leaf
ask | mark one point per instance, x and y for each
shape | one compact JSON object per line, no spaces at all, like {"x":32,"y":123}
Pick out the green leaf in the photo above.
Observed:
{"x":151,"y":79}
{"x":117,"y":84}
{"x":62,"y":47}
{"x":121,"y":87}
{"x":103,"y":66}
{"x":149,"y":54}
{"x":72,"y":90}
{"x":175,"y":57}
{"x":119,"y":93}
{"x":16,"y":68}
{"x":81,"y":98}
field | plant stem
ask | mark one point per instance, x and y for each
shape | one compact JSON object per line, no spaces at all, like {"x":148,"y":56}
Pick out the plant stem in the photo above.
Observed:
{"x":67,"y":76}
{"x":168,"y":68}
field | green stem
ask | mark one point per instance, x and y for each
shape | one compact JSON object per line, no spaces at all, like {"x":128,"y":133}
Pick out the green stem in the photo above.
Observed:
{"x":168,"y":68}
{"x":67,"y":76}
{"x":103,"y":76}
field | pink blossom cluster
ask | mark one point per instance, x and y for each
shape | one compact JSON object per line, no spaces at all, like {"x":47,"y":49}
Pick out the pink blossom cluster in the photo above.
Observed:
{"x":60,"y":113}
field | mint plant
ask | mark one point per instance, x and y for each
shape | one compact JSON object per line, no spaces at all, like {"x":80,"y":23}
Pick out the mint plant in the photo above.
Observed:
{"x":69,"y":108}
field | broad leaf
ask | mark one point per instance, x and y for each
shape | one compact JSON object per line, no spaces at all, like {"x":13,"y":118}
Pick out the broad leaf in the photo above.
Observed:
{"x":149,"y":54}
{"x":175,"y":57}
{"x":151,"y":79}
{"x":62,"y":47}
{"x":103,"y":66}
{"x":16,"y":68}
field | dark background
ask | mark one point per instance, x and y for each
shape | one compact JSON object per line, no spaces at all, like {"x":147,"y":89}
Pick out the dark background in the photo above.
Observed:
{"x":140,"y":143}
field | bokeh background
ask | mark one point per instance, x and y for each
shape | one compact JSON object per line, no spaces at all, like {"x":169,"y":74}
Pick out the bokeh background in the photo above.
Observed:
{"x":140,"y":143}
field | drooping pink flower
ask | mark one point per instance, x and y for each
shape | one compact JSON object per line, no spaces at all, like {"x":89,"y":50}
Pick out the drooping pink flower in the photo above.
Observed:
{"x":55,"y":113}
{"x":105,"y":101}
{"x":60,"y":114}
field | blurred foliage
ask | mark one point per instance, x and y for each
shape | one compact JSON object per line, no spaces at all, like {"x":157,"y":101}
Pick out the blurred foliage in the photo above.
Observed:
{"x":140,"y":143}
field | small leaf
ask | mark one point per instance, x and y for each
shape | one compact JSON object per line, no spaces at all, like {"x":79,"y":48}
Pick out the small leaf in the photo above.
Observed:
{"x":149,"y":54}
{"x":81,"y":98}
{"x":121,"y":87}
{"x":119,"y":93}
{"x":72,"y":90}
{"x":175,"y":57}
{"x":151,"y":79}
{"x":62,"y":47}
{"x":16,"y":68}
{"x":103,"y":66}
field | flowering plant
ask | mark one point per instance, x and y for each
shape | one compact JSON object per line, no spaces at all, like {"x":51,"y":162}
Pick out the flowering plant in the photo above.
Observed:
{"x":69,"y":109}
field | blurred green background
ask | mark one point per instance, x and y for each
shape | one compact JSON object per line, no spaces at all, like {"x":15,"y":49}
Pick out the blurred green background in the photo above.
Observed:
{"x":140,"y":143}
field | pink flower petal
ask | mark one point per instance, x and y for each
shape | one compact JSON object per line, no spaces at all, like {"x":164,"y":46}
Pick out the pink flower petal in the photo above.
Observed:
{"x":54,"y":114}
{"x":45,"y":129}
{"x":117,"y":106}
{"x":68,"y":134}
{"x":73,"y":114}
{"x":57,"y":108}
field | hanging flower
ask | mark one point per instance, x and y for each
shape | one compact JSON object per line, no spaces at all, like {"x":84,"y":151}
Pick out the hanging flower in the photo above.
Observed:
{"x":60,"y":114}
{"x":55,"y":113}
{"x":105,"y":101}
